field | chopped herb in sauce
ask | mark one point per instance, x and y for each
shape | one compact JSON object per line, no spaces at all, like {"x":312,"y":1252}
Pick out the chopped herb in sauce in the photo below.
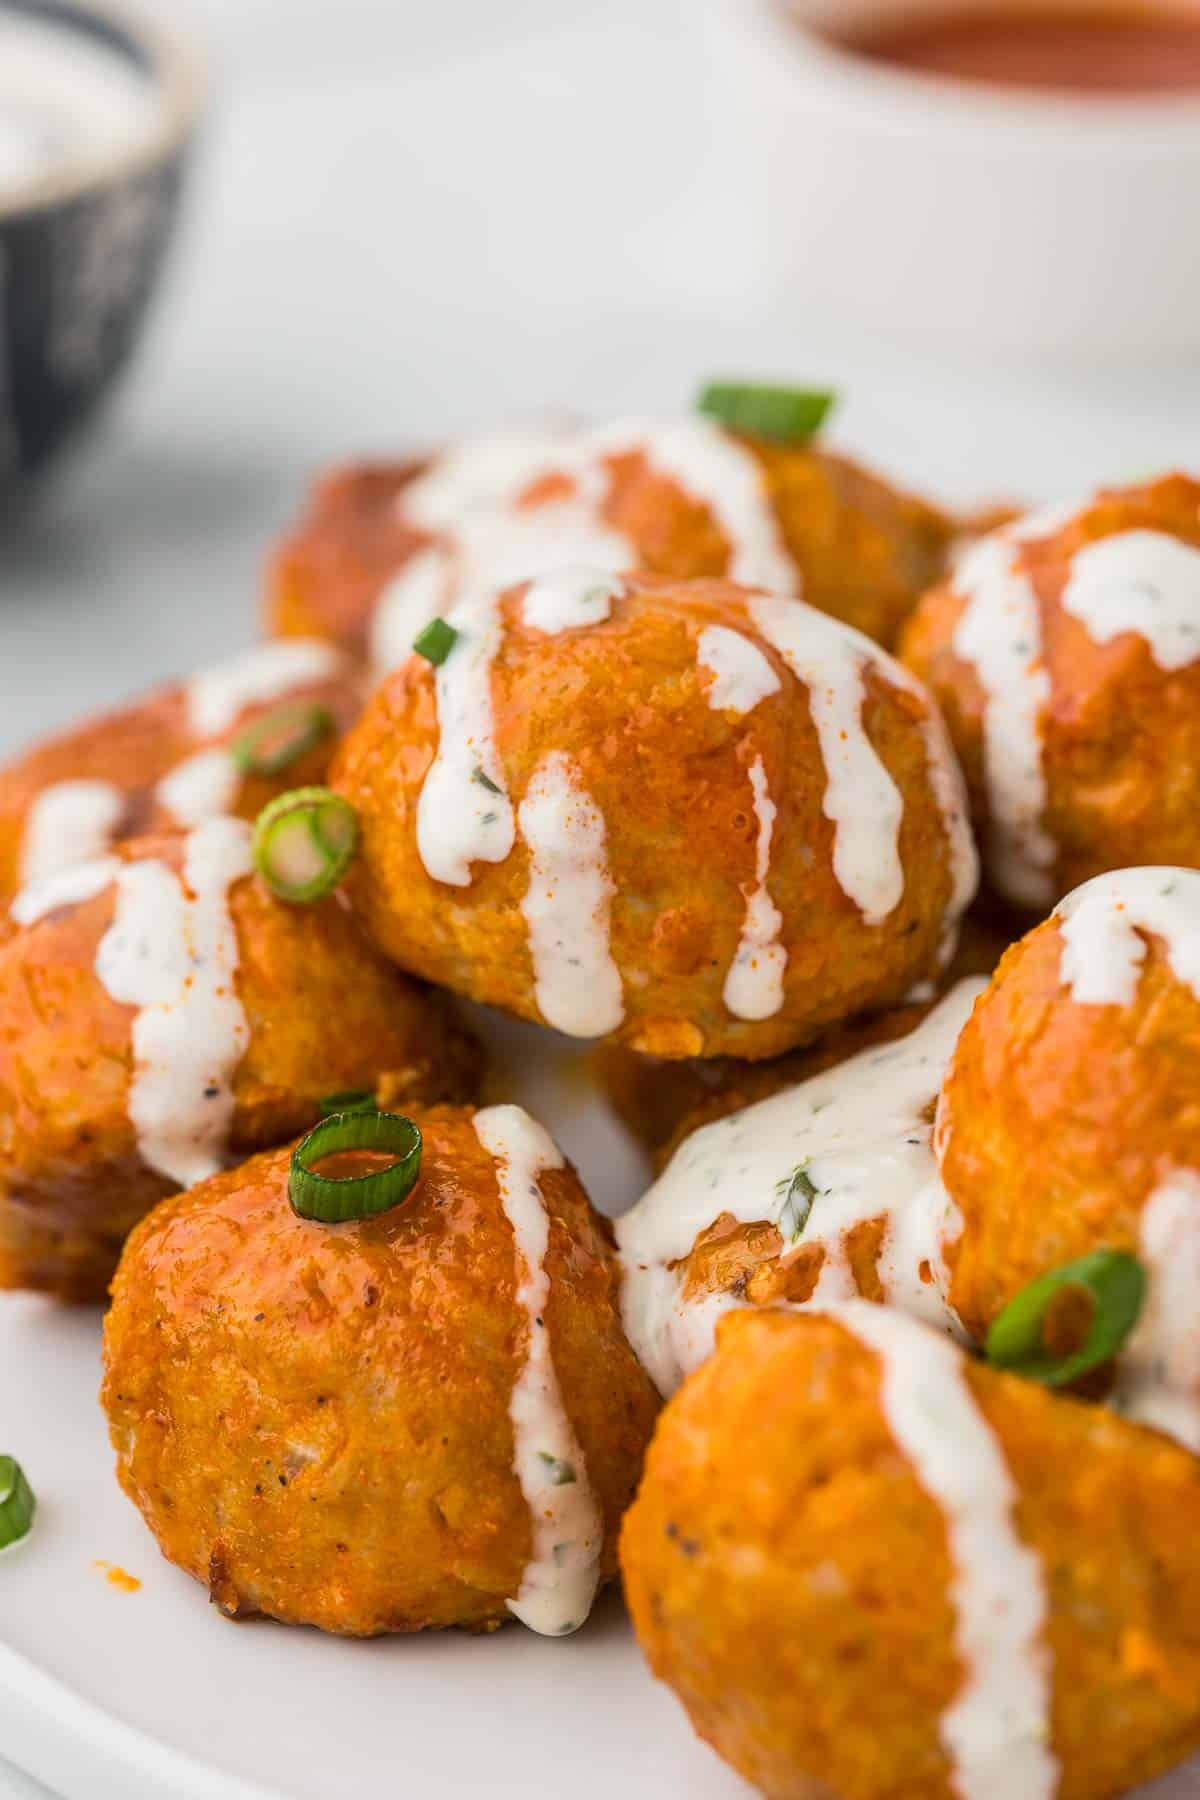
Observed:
{"x":559,"y":1473}
{"x":796,"y":1193}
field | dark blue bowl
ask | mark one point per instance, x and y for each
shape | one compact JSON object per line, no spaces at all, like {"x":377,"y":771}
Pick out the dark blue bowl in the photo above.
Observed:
{"x":82,"y":243}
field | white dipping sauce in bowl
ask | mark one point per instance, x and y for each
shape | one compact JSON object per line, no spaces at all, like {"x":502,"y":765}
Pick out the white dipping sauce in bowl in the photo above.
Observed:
{"x":66,"y":98}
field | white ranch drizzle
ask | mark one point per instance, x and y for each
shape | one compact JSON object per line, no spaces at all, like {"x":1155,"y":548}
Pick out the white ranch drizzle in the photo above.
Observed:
{"x":754,"y":985}
{"x":997,"y":1731}
{"x":1101,"y":925}
{"x":567,"y":598}
{"x":1159,"y":1374}
{"x":174,"y":955}
{"x":561,"y":1577}
{"x":861,"y":1134}
{"x":741,"y":674}
{"x":1146,"y":582}
{"x":464,"y":814}
{"x":420,"y":589}
{"x":567,"y":903}
{"x":861,"y":799}
{"x":216,"y":696}
{"x":66,"y":887}
{"x":201,"y":787}
{"x":999,"y":634}
{"x":713,"y":468}
{"x":69,"y":822}
{"x":475,"y":498}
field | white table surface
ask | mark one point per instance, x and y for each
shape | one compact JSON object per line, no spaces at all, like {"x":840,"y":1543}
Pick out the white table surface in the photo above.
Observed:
{"x":410,"y":219}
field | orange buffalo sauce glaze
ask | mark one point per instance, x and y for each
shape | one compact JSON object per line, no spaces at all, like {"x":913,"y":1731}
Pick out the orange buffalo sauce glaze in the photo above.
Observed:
{"x":1100,"y":51}
{"x":117,"y":1577}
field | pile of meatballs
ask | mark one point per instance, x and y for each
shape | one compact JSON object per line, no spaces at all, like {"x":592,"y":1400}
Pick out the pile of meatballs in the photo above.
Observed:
{"x":863,"y":840}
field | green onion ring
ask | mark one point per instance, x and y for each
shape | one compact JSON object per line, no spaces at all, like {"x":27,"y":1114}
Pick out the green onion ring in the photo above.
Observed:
{"x":435,"y":642}
{"x":1117,"y":1283}
{"x":336,"y":1199}
{"x":17,"y":1504}
{"x":281,"y":737}
{"x":787,"y":415}
{"x":347,"y":1100}
{"x":304,"y":842}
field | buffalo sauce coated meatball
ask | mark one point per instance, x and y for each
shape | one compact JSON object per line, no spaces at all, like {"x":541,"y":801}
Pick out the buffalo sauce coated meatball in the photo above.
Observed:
{"x":1070,"y":1122}
{"x":662,"y":1103}
{"x":870,"y":1567}
{"x":160,"y":1010}
{"x":1065,"y":653}
{"x":227,"y":741}
{"x":385,"y":546}
{"x":690,"y":817}
{"x":425,"y":1418}
{"x":819,"y":1191}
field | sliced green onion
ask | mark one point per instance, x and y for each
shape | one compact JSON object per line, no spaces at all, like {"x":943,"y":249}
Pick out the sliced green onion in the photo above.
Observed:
{"x":335,"y":1199}
{"x":436,"y":641}
{"x":1116,"y":1283}
{"x":485,"y":780}
{"x":17,"y":1504}
{"x":558,"y":1472}
{"x":788,"y":415}
{"x":304,"y":842}
{"x":347,"y":1100}
{"x":797,"y":1192}
{"x":273,"y":743}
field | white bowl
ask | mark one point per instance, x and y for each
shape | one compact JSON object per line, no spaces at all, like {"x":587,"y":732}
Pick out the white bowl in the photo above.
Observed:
{"x":984,"y":217}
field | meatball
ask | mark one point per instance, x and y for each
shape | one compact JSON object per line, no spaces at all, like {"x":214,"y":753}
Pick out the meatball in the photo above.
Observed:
{"x":815,"y":1194}
{"x":869,"y":1567}
{"x":160,"y":1012}
{"x":383,"y":546}
{"x":692,"y":818}
{"x":1065,"y":653}
{"x":227,"y":741}
{"x":1069,"y":1122}
{"x":426,"y":1418}
{"x":661,"y":1103}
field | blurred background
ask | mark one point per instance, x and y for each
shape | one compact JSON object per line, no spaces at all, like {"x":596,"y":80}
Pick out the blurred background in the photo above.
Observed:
{"x":406,"y":219}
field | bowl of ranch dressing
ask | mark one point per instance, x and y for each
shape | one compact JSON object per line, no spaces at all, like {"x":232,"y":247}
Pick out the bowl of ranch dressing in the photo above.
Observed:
{"x":98,"y":109}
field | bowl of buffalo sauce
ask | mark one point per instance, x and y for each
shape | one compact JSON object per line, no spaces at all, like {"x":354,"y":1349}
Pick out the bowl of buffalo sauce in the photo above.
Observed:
{"x":1015,"y":176}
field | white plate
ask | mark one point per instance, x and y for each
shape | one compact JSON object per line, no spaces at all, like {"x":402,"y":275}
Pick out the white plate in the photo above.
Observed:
{"x":108,"y":1695}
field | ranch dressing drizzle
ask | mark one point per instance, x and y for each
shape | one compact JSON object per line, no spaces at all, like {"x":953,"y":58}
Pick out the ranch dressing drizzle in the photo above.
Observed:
{"x":997,"y":1731}
{"x":201,"y":787}
{"x":859,"y":1135}
{"x":421,"y":589}
{"x":561,"y":1577}
{"x":719,"y":473}
{"x":861,"y":798}
{"x":69,"y":822}
{"x":999,"y":633}
{"x":216,"y":696}
{"x":174,"y":955}
{"x":1159,"y":1373}
{"x":464,"y":814}
{"x":564,"y":599}
{"x":567,"y":903}
{"x":754,"y":985}
{"x":1141,"y":581}
{"x":1101,"y":925}
{"x":477,"y":499}
{"x":741,"y":674}
{"x":66,"y":887}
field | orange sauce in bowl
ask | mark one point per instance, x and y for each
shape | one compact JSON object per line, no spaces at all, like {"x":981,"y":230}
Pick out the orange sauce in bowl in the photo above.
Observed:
{"x":1065,"y":51}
